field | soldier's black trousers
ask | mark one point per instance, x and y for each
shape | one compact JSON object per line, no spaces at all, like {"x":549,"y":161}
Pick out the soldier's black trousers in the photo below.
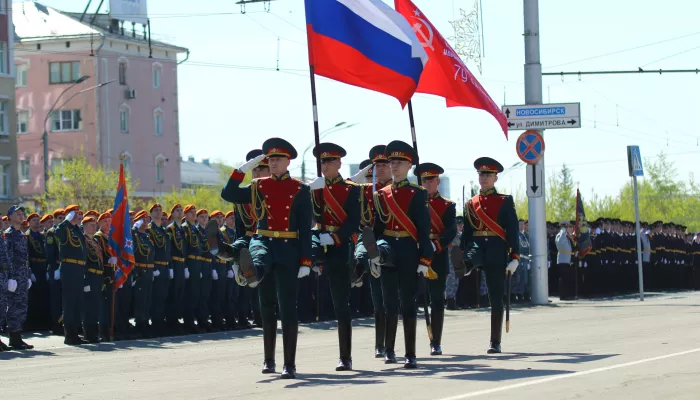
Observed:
{"x":218,"y":292}
{"x":336,"y":266}
{"x":38,"y":317}
{"x":176,"y":293}
{"x":495,"y":282}
{"x":205,"y":293}
{"x":55,"y":297}
{"x":123,"y":306}
{"x":567,"y":281}
{"x":72,"y":283}
{"x":92,"y":300}
{"x":106,"y":302}
{"x":436,"y":287}
{"x":399,"y":276}
{"x":159,"y":296}
{"x":143,"y":291}
{"x":193,"y":290}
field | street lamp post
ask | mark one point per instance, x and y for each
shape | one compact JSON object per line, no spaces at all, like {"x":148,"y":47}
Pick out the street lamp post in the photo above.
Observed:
{"x":45,"y":137}
{"x":337,"y":127}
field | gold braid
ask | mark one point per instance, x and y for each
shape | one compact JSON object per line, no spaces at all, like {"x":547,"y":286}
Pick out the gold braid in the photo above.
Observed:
{"x":258,"y":211}
{"x":383,"y":216}
{"x":39,"y":249}
{"x":315,"y":204}
{"x":178,"y":245}
{"x":471,"y":216}
{"x":71,"y":239}
{"x":365,"y":212}
{"x":141,"y":247}
{"x":154,"y":237}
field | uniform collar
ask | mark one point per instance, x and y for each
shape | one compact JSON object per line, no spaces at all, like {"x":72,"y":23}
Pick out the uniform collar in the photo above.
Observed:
{"x":487,"y":192}
{"x":398,"y":185}
{"x":389,"y":182}
{"x":284,"y":176}
{"x":337,"y":179}
{"x":436,"y":195}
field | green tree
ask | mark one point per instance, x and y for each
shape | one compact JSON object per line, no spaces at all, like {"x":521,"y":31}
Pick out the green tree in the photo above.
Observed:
{"x":561,"y":197}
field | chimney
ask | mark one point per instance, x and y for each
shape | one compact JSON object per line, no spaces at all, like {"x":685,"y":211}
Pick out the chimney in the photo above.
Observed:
{"x":190,"y":159}
{"x":205,"y":161}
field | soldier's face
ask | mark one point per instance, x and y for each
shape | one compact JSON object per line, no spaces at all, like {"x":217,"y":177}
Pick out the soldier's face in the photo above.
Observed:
{"x":230,"y":220}
{"x":261,"y":172}
{"x":104,"y":224}
{"x":90,"y":228}
{"x":177,"y":214}
{"x":202,"y":219}
{"x":191,"y":216}
{"x":163,"y":220}
{"x":330,"y":168}
{"x":34,"y":223}
{"x":400,"y":168}
{"x":156,"y":216}
{"x":522,"y":225}
{"x":487,"y":180}
{"x":219,"y":220}
{"x":383,"y":171}
{"x":278,"y":165}
{"x":431,"y":184}
{"x":59,"y":219}
{"x":17,"y":217}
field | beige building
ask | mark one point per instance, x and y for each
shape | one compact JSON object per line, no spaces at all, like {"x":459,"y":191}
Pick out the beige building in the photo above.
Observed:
{"x":8,"y":122}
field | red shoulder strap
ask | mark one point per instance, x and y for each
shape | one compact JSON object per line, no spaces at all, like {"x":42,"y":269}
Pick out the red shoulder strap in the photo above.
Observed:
{"x":399,"y":214}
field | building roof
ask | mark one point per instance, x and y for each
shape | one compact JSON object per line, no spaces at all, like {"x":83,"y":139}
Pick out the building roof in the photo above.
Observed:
{"x":193,"y":173}
{"x":36,"y":22}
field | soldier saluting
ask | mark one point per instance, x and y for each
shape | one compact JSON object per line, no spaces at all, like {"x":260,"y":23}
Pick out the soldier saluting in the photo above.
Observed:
{"x":490,"y":241}
{"x":443,"y":229}
{"x":280,"y":250}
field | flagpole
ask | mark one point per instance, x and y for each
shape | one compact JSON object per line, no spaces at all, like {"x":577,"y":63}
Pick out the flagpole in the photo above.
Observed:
{"x":428,"y":323}
{"x":111,"y":316}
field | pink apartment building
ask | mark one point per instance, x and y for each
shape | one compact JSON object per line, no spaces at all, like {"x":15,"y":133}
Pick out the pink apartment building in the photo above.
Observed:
{"x":135,"y":116}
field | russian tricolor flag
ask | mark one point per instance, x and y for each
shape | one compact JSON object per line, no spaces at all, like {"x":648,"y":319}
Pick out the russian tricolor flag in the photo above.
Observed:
{"x":364,"y":43}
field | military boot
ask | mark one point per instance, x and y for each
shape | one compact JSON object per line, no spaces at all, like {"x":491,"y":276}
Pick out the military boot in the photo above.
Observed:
{"x":345,"y":345}
{"x":438,"y":320}
{"x":379,"y":334}
{"x":269,"y":339}
{"x":409,"y":335}
{"x":289,"y":340}
{"x":392,"y":323}
{"x":16,"y":342}
{"x":496,"y":331}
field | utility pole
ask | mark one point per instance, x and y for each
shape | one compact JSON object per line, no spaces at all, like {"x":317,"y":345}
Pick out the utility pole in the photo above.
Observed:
{"x":536,"y":205}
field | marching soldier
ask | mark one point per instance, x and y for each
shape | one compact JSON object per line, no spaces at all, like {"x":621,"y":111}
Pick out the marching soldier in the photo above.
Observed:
{"x":193,"y":270}
{"x":443,"y":229}
{"x":208,"y":272}
{"x":228,"y":235}
{"x":161,"y":268}
{"x":104,"y":221}
{"x":490,"y":241}
{"x":178,"y":253}
{"x":143,"y":273}
{"x":18,"y":278}
{"x":93,"y":281}
{"x":452,"y":282}
{"x":53,"y":260}
{"x":280,"y":250}
{"x":377,"y":176}
{"x":404,"y":249}
{"x":71,"y":271}
{"x":219,"y":273}
{"x":565,"y":253}
{"x":331,"y":246}
{"x":38,"y":317}
{"x":4,"y":270}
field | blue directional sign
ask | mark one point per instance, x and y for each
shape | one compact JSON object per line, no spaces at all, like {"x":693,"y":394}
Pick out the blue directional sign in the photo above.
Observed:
{"x":530,"y":147}
{"x":634,"y":161}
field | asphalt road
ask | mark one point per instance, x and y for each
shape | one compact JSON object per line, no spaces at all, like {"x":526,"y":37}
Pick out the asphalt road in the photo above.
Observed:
{"x":587,"y":349}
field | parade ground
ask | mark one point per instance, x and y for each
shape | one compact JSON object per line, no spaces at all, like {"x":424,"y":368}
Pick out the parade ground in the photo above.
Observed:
{"x":591,"y":349}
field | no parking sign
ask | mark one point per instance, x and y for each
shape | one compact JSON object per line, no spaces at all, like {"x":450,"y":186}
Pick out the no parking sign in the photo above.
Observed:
{"x":530,"y":147}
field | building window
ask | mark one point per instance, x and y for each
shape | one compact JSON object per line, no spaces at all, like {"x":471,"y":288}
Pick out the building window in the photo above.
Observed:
{"x":22,"y":122}
{"x":3,"y":119}
{"x":5,"y":180}
{"x":57,"y":165}
{"x":157,"y":69}
{"x":3,"y":58}
{"x":158,"y":122}
{"x":64,"y":72}
{"x":160,"y":169}
{"x":22,"y":75}
{"x":25,"y":166}
{"x":124,"y":119}
{"x":122,"y":72}
{"x":65,"y":120}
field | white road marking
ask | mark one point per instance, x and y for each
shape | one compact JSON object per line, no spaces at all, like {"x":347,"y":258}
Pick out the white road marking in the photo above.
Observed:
{"x":565,"y":376}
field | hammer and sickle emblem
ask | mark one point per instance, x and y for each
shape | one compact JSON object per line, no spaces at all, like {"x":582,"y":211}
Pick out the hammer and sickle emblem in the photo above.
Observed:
{"x":426,"y":41}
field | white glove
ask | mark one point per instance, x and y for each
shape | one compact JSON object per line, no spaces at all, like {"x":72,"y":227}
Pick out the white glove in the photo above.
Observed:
{"x":317,"y":270}
{"x":120,"y":286}
{"x":171,"y":273}
{"x":585,"y":264}
{"x":70,"y":216}
{"x":214,"y":275}
{"x":251,"y":164}
{"x":112,"y":261}
{"x":512,"y":266}
{"x":33,"y":278}
{"x":11,"y":285}
{"x":86,"y":289}
{"x":187,"y":273}
{"x":133,"y":283}
{"x":627,"y":262}
{"x":138,"y":224}
{"x":434,"y":248}
{"x":156,"y":273}
{"x":326,"y":239}
{"x":317,"y":183}
{"x":47,"y":276}
{"x":201,"y":276}
{"x":549,"y":264}
{"x":682,"y":262}
{"x":375,"y":270}
{"x":359,"y":177}
{"x":229,"y":274}
{"x":303,"y":271}
{"x":422,"y":270}
{"x":29,"y":284}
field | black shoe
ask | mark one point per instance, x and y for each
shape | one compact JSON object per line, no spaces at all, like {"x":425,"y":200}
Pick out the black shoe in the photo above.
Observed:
{"x":435,"y":350}
{"x":379,"y":352}
{"x":4,"y":347}
{"x":494,"y":348}
{"x":370,"y":243}
{"x":289,"y":372}
{"x":72,"y":339}
{"x":58,"y":330}
{"x":410,"y":362}
{"x":248,"y":270}
{"x":390,"y":357}
{"x":344,"y":365}
{"x":269,"y":367}
{"x":452,"y":304}
{"x":17,"y":343}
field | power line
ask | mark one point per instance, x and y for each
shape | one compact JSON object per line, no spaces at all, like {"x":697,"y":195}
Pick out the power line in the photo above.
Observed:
{"x":671,"y":56}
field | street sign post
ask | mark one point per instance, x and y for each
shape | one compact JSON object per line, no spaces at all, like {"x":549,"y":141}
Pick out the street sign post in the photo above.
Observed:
{"x":634,"y":164}
{"x":535,"y":180}
{"x":530,"y":147}
{"x":543,"y":116}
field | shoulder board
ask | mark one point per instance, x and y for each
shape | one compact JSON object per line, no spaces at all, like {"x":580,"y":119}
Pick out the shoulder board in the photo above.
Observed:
{"x":448,"y":201}
{"x":417,"y":186}
{"x":26,"y":233}
{"x":351,"y":183}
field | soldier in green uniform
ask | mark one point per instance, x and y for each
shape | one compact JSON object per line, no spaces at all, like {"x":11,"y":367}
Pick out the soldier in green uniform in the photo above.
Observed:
{"x":332,"y":241}
{"x":193,"y":269}
{"x":227,"y":237}
{"x":53,"y":260}
{"x":93,"y":281}
{"x":37,"y":317}
{"x":161,"y":269}
{"x":207,"y":272}
{"x":443,"y":229}
{"x":178,"y":253}
{"x":490,"y":241}
{"x":143,"y":273}
{"x":220,"y":269}
{"x":73,"y":250}
{"x":404,"y":250}
{"x":104,"y":221}
{"x":280,"y":249}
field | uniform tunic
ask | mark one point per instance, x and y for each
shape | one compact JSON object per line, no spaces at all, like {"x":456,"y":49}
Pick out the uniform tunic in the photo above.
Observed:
{"x":17,"y":302}
{"x":73,"y":250}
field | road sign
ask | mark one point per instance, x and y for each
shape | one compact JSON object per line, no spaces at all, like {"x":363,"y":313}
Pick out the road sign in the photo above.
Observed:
{"x":530,"y":147}
{"x":634,"y":161}
{"x":543,"y":116}
{"x":535,"y":180}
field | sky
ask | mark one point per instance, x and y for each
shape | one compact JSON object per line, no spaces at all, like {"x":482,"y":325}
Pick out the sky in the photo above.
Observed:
{"x":232,"y":98}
